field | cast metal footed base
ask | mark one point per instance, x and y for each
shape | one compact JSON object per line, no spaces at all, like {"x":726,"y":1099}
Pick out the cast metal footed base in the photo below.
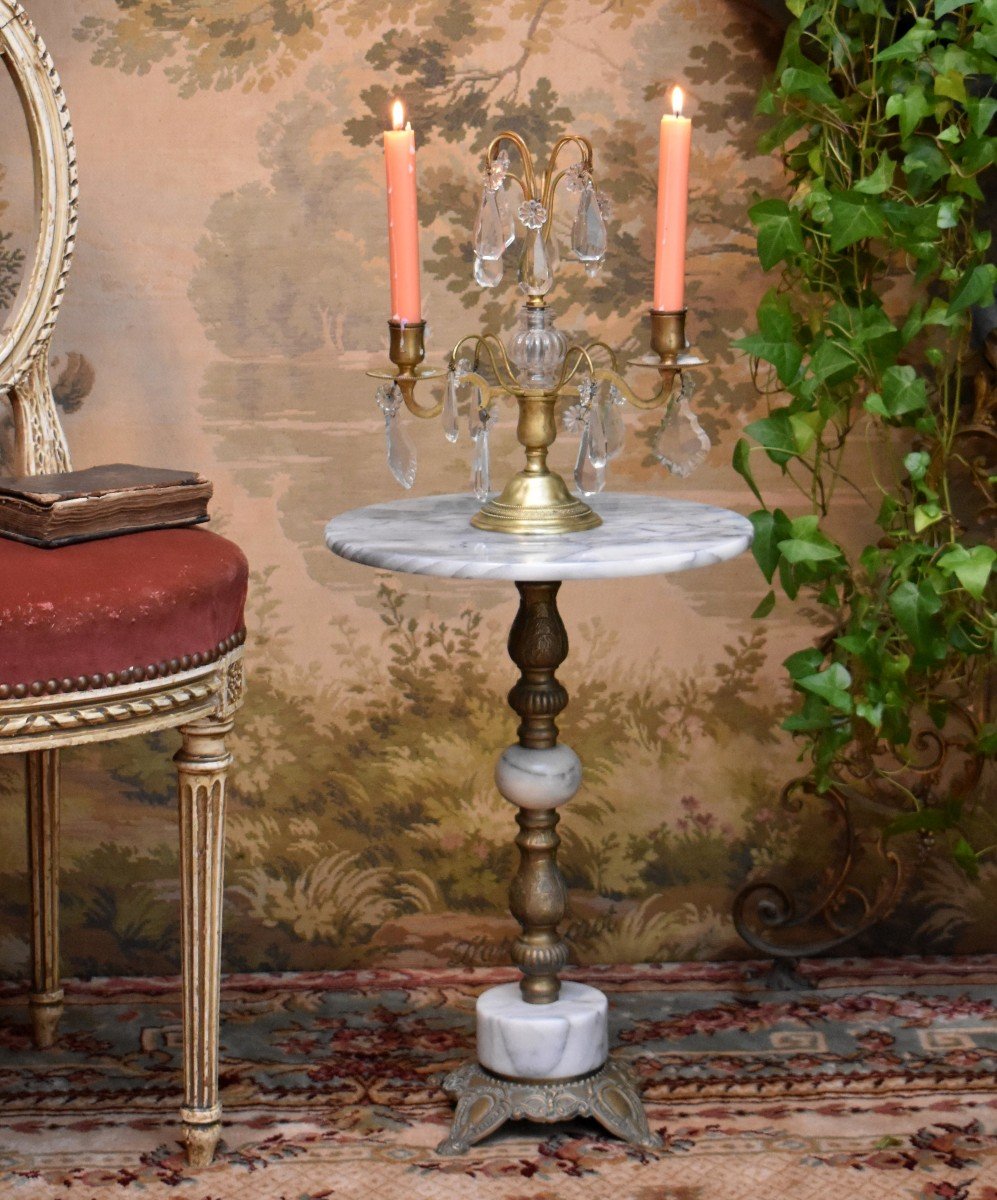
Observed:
{"x":486,"y":1101}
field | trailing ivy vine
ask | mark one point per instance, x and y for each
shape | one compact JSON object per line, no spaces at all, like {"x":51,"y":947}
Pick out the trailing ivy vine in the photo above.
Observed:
{"x":882,"y":112}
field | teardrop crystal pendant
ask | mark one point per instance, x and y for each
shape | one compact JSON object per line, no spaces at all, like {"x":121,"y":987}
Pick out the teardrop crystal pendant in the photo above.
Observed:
{"x":681,"y":443}
{"x":613,"y":423}
{"x":535,"y":276}
{"x":507,"y":214}
{"x":401,"y":451}
{"x":598,"y":448}
{"x":589,"y":478}
{"x":451,"y":415}
{"x":488,"y":272}
{"x":481,"y":482}
{"x":588,"y":234}
{"x":489,"y":234}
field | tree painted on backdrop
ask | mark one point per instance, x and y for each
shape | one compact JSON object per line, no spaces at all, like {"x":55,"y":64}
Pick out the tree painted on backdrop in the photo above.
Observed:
{"x":883,"y":120}
{"x":262,"y":288}
{"x":11,"y":257}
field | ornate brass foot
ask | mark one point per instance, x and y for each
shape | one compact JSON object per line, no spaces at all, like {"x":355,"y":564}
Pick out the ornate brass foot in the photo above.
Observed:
{"x":200,"y":1140}
{"x":486,"y":1101}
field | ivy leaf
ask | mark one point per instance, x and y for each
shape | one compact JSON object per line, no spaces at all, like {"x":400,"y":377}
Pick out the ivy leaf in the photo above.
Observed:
{"x":972,"y":567}
{"x":965,"y":856}
{"x":742,"y":465}
{"x":911,"y":106}
{"x":797,"y":550}
{"x":975,"y":287}
{"x":880,"y":180}
{"x":775,"y":342}
{"x":912,"y":45}
{"x":775,"y":435}
{"x":854,"y":218}
{"x":915,"y":608}
{"x":831,"y":686}
{"x":769,"y":528}
{"x":807,"y":79}
{"x":944,"y":7}
{"x":982,"y":113}
{"x":765,"y":606}
{"x":952,"y":84}
{"x":779,"y":231}
{"x":803,"y":663}
{"x":934,"y":819}
{"x":903,"y":392}
{"x":832,"y":361}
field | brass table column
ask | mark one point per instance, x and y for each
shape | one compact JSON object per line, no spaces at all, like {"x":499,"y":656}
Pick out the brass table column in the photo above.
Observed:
{"x":538,"y":776}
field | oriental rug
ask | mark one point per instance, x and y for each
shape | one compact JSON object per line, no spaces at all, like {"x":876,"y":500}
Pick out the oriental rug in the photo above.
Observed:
{"x":876,"y":1081}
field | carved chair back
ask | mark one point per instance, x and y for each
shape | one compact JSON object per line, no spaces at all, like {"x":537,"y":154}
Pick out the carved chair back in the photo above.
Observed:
{"x":40,"y":444}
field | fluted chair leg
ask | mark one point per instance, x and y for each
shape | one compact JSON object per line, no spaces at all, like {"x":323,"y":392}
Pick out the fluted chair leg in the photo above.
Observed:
{"x":202,"y":765}
{"x":42,"y":781}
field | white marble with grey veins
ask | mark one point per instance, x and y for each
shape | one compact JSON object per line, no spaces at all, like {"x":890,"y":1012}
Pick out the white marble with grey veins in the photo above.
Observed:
{"x":538,"y":779}
{"x":640,"y":535}
{"x":543,"y":1041}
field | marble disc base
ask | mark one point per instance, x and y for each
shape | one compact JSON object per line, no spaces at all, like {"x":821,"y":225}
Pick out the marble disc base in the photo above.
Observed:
{"x":562,"y":1040}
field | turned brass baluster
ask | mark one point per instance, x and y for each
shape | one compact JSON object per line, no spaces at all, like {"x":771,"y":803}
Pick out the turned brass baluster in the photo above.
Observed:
{"x":538,"y":644}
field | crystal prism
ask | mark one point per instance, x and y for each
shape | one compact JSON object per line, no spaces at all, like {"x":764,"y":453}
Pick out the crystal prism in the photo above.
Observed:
{"x":481,"y":482}
{"x":450,"y":411}
{"x":489,"y":235}
{"x":507,"y":214}
{"x":598,"y":448}
{"x":588,"y":234}
{"x":535,"y":277}
{"x":613,"y":423}
{"x":681,"y":443}
{"x":589,"y":478}
{"x":401,"y":451}
{"x":488,"y":272}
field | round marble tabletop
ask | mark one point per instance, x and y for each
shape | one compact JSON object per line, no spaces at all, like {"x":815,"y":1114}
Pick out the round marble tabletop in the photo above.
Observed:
{"x":640,"y":535}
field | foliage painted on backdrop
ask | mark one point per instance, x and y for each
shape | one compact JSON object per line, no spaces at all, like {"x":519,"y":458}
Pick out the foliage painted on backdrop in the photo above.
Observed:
{"x":884,"y":112}
{"x":453,"y":100}
{"x":364,"y":823}
{"x":11,"y":259}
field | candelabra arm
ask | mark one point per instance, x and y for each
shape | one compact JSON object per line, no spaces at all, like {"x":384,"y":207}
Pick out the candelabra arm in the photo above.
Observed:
{"x":488,"y":342}
{"x":528,"y":183}
{"x":575,"y":357}
{"x":665,"y":388}
{"x":551,"y":180}
{"x":407,"y":349}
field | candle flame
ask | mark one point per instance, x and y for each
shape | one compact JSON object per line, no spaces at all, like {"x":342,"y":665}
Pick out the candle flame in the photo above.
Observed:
{"x":398,"y":115}
{"x":678,"y":99}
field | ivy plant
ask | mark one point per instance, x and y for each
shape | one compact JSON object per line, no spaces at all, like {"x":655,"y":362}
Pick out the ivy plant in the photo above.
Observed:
{"x":881,"y":111}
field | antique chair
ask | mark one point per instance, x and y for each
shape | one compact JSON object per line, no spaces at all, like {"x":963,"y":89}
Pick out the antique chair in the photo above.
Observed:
{"x":110,"y":639}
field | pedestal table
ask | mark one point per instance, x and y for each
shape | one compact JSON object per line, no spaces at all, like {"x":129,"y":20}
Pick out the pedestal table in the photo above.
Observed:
{"x":543,"y":1044}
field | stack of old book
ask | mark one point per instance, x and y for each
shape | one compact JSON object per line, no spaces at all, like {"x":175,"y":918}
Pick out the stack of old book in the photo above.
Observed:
{"x":100,"y":502}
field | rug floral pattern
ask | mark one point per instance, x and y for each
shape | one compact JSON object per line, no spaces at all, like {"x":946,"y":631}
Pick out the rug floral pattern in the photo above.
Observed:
{"x":229,"y":293}
{"x":878,"y":1082}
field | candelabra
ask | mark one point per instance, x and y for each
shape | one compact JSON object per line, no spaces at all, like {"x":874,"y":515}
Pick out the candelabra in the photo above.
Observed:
{"x":540,"y":368}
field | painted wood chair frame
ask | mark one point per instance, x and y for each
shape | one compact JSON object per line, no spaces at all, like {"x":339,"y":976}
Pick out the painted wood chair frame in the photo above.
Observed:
{"x":41,"y":719}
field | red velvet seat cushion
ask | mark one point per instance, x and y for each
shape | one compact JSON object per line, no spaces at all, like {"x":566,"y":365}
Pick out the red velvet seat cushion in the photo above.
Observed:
{"x":124,"y":604}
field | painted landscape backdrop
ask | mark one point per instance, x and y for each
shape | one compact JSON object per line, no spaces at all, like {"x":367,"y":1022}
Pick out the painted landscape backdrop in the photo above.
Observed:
{"x":230,"y":290}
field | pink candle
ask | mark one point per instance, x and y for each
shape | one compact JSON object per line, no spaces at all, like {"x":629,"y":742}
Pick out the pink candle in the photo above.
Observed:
{"x":403,"y":219}
{"x":673,"y":203}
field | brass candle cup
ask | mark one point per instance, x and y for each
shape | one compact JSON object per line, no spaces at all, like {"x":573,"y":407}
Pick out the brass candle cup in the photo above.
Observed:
{"x":668,"y":339}
{"x":407,"y":349}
